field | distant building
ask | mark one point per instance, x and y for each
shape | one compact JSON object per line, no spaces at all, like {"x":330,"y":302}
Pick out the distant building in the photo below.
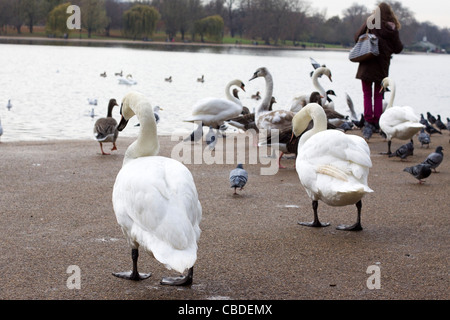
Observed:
{"x":425,"y":46}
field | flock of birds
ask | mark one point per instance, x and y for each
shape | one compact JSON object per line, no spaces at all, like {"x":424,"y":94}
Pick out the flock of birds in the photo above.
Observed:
{"x":155,"y":198}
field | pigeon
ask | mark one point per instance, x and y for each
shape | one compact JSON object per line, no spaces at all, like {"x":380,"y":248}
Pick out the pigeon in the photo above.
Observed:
{"x":435,"y":158}
{"x":420,"y":171}
{"x":238,"y":177}
{"x":439,"y":124}
{"x":431,"y":118}
{"x":368,"y":130}
{"x":211,"y":138}
{"x":404,"y":151}
{"x":424,"y":138}
{"x":196,"y":135}
{"x":431,"y":130}
{"x":346,"y":125}
{"x":423,"y":120}
{"x":448,"y":124}
{"x":359,"y":123}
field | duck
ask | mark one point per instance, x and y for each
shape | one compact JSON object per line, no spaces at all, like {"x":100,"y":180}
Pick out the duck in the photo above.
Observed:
{"x":167,"y":226}
{"x":396,"y":121}
{"x":201,"y":79}
{"x":120,"y":74}
{"x":301,"y":100}
{"x":169,"y":79}
{"x":103,"y":74}
{"x":256,"y":96}
{"x":215,"y":111}
{"x":332,"y":166}
{"x":9,"y":105}
{"x":128,"y":80}
{"x":105,"y":129}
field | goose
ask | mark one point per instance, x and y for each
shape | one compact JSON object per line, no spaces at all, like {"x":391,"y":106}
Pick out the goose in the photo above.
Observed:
{"x":169,"y":79}
{"x":332,"y":166}
{"x":103,"y":74}
{"x":202,"y":79}
{"x":155,"y":200}
{"x":215,"y":111}
{"x":300,"y":101}
{"x":120,"y":74}
{"x":128,"y":80}
{"x":397,"y":122}
{"x":9,"y":105}
{"x":105,"y":129}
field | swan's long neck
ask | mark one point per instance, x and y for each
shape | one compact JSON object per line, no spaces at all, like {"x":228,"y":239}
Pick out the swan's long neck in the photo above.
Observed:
{"x":230,"y":96}
{"x":315,"y":113}
{"x":147,"y":143}
{"x":265,"y":103}
{"x":318,"y":86}
{"x":391,"y":99}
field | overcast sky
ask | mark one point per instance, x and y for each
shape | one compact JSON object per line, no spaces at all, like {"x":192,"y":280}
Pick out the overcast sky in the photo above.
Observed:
{"x":435,"y":11}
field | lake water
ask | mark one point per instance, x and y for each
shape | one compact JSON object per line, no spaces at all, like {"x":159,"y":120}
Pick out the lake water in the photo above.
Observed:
{"x":49,"y":86}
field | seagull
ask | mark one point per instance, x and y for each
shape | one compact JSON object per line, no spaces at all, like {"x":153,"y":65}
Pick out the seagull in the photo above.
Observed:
{"x":439,"y":124}
{"x":92,"y":113}
{"x":404,"y":151}
{"x":9,"y":105}
{"x":238,"y":177}
{"x":420,"y":171}
{"x":92,"y":101}
{"x":435,"y":158}
{"x":424,"y":138}
{"x":211,"y":138}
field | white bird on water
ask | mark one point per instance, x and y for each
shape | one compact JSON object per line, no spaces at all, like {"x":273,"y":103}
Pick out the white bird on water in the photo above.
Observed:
{"x":155,"y":200}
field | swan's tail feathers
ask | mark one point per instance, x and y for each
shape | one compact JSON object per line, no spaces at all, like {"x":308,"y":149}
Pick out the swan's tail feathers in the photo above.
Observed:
{"x":236,"y":124}
{"x":351,"y":106}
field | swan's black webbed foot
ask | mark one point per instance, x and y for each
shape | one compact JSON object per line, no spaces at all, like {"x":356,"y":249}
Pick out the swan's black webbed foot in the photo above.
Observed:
{"x":130,"y":275}
{"x":354,"y":227}
{"x":179,"y":281}
{"x":315,"y":223}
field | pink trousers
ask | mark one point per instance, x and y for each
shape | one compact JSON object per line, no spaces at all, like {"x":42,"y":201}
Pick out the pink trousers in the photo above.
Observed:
{"x":372,"y":112}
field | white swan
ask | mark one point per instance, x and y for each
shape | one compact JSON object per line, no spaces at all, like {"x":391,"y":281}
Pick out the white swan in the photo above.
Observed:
{"x":212,"y":112}
{"x":128,"y":80}
{"x":332,"y":166}
{"x":302,"y":100}
{"x":398,"y":122}
{"x":155,"y":199}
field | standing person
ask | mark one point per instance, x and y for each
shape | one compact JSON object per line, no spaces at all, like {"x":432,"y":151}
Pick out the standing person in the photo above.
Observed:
{"x":374,"y":70}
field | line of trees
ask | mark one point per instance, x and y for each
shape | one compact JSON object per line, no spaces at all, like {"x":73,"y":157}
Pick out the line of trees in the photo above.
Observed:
{"x":270,"y":21}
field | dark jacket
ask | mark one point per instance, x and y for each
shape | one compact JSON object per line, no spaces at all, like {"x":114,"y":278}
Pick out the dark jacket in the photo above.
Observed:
{"x":377,"y":68}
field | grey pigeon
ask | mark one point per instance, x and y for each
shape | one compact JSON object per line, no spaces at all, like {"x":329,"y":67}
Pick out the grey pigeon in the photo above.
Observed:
{"x":439,"y":124}
{"x":404,"y":151}
{"x":435,"y":158}
{"x":238,"y":177}
{"x":211,"y":138}
{"x":423,"y":120}
{"x":431,"y":118}
{"x":431,"y":130}
{"x":424,"y":138}
{"x":368,"y":130}
{"x":420,"y":171}
{"x":448,"y":124}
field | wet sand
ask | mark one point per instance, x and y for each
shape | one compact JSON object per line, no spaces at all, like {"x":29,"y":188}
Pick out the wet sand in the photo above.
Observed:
{"x":56,"y":212}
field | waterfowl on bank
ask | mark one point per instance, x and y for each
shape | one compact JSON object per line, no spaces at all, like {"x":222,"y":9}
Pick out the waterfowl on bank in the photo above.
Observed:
{"x":169,"y":79}
{"x":103,"y":74}
{"x":398,"y":122}
{"x":332,"y":166}
{"x":155,"y":200}
{"x":9,"y":105}
{"x":214,"y":111}
{"x":201,"y":79}
{"x":105,"y":129}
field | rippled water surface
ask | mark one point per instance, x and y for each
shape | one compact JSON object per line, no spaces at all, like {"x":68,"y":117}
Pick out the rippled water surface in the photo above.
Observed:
{"x":49,"y":86}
